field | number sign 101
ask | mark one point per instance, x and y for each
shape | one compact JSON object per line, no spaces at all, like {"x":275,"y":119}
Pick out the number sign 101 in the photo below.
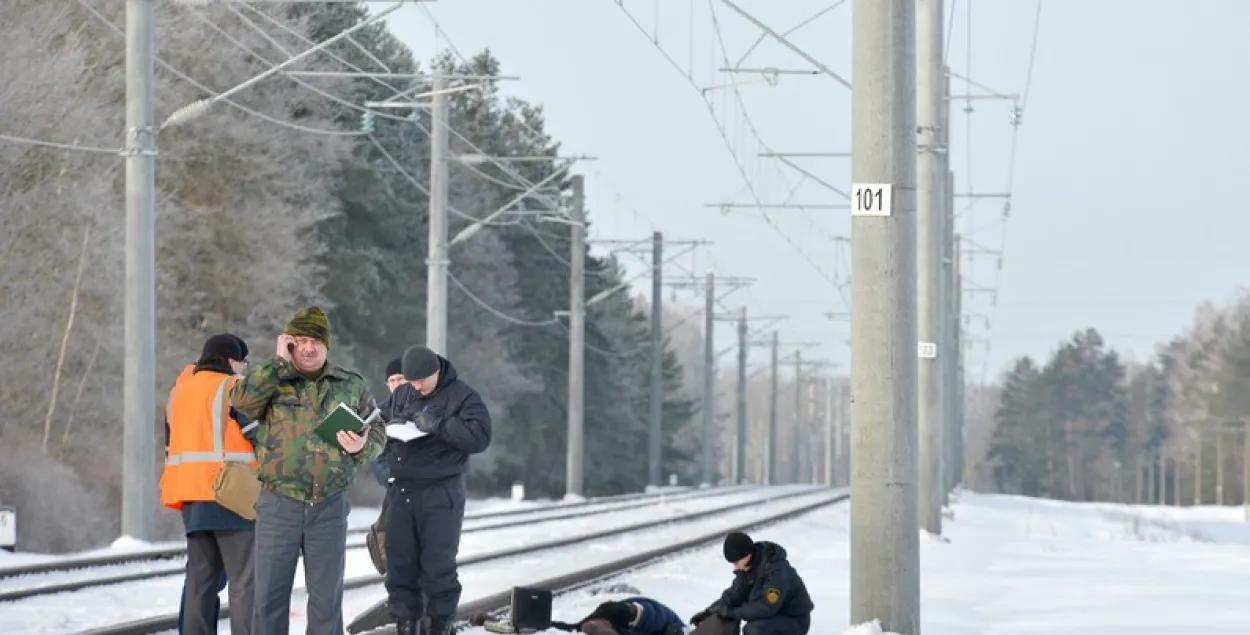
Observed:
{"x":872,"y":199}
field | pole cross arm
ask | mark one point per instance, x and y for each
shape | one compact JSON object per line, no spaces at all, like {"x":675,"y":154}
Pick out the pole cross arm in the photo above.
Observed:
{"x":471,"y":230}
{"x":607,"y":292}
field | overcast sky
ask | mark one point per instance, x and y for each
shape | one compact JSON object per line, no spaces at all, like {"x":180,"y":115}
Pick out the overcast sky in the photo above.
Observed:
{"x":1127,"y":158}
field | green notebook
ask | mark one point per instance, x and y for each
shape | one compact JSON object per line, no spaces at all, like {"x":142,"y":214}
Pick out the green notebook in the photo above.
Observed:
{"x":341,"y":418}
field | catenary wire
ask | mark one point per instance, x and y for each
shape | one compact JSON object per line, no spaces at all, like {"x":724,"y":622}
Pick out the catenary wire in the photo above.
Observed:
{"x":210,"y":93}
{"x":492,"y":310}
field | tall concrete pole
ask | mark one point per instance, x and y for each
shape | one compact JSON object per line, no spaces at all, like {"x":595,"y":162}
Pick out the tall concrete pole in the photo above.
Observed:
{"x":796,"y":426}
{"x":655,"y":439}
{"x":740,"y":463}
{"x":437,"y":262}
{"x":885,"y":538}
{"x":770,"y":440}
{"x":831,"y":439}
{"x":709,"y":377}
{"x":960,"y":351}
{"x":139,"y":365}
{"x":949,"y":351}
{"x":574,"y":460}
{"x":929,"y":177}
{"x":839,"y":435}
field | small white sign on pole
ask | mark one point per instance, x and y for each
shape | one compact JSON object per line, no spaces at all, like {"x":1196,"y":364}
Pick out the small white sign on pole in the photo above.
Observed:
{"x":872,"y":199}
{"x":927,"y":350}
{"x":8,"y":528}
{"x":518,"y":492}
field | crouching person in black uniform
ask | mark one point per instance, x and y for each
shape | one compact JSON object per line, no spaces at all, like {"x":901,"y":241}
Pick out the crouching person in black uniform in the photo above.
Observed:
{"x":767,"y":593}
{"x":425,"y":502}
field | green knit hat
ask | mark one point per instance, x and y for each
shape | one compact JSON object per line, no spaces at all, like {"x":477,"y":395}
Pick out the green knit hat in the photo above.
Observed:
{"x":311,"y":322}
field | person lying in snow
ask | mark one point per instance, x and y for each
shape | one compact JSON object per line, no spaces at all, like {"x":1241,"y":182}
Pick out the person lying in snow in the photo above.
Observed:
{"x":631,"y":616}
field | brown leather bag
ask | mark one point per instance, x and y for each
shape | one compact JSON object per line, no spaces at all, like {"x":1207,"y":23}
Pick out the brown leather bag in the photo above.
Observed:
{"x":237,"y":486}
{"x":375,"y":542}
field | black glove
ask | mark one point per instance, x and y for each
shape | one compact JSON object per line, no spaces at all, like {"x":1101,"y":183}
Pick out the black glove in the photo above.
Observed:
{"x":428,"y":423}
{"x":701,"y":615}
{"x":726,"y":613}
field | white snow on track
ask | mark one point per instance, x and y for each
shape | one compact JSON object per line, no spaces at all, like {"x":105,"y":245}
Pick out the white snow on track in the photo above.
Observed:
{"x":176,"y":564}
{"x":100,"y":606}
{"x":1012,"y":566}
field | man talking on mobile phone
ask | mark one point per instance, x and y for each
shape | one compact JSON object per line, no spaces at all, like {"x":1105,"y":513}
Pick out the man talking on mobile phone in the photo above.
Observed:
{"x":303,"y":501}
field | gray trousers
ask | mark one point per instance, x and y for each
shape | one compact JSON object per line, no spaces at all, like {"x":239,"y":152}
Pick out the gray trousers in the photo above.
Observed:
{"x":209,"y":554}
{"x":285,"y":530}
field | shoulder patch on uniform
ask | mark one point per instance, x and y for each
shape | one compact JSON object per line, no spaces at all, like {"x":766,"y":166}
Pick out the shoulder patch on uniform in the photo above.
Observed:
{"x":773,"y":595}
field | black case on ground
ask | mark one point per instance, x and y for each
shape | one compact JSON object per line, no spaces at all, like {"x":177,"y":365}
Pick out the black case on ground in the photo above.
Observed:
{"x":531,"y":609}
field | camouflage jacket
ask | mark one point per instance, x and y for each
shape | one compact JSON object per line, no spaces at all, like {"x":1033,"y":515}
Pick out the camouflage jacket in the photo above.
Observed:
{"x":294,"y":461}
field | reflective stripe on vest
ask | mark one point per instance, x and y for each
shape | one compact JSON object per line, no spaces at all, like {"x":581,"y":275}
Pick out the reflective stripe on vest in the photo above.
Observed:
{"x":218,"y":454}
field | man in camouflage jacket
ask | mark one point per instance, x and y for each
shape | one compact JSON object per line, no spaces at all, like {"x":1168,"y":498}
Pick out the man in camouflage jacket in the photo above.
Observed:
{"x":303,"y":503}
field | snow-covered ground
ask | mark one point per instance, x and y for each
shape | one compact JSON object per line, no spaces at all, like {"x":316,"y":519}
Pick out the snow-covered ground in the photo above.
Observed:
{"x":89,"y":608}
{"x":1012,"y":566}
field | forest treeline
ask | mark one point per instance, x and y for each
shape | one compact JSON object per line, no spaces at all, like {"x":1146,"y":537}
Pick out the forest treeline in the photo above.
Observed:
{"x":280,"y":198}
{"x":1087,"y":425}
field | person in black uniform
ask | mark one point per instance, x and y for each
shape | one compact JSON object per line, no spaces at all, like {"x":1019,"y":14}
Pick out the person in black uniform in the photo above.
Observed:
{"x":425,"y":502}
{"x":767,"y":593}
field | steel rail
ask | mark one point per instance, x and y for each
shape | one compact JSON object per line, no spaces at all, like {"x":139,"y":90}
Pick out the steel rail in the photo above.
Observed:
{"x":176,"y":551}
{"x":163,"y":623}
{"x":124,"y":577}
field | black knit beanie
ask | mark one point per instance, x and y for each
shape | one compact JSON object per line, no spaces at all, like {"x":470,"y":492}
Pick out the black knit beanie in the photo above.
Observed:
{"x":242,"y":346}
{"x":738,"y":546}
{"x":420,"y":362}
{"x":395,"y":367}
{"x":223,"y":347}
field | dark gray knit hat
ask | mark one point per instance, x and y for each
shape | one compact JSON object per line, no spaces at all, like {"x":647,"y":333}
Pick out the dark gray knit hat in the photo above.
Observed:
{"x":420,"y":362}
{"x":738,"y":546}
{"x":395,"y":367}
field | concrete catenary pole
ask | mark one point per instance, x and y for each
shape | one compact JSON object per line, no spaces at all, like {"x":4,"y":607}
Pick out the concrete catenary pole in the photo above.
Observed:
{"x":796,"y":422}
{"x":930,"y":176}
{"x":770,"y":439}
{"x":831,"y":439}
{"x":949,"y":348}
{"x":437,"y":262}
{"x":960,"y":352}
{"x":709,"y":377}
{"x":139,"y":364}
{"x":740,"y":463}
{"x":574,"y":459}
{"x":655,"y":440}
{"x":885,"y":539}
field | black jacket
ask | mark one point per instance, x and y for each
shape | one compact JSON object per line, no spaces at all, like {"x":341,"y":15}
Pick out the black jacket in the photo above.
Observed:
{"x":465,"y":429}
{"x":772,"y":587}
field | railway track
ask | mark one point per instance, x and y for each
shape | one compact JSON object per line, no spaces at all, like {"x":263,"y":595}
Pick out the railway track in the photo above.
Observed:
{"x":744,"y":515}
{"x":492,"y":521}
{"x":177,"y":551}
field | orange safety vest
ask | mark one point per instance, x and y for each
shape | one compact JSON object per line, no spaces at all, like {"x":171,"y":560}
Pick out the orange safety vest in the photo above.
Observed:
{"x":202,"y":437}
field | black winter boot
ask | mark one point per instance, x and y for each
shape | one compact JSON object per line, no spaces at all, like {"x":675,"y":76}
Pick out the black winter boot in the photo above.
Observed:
{"x":407,"y":627}
{"x":441,"y":626}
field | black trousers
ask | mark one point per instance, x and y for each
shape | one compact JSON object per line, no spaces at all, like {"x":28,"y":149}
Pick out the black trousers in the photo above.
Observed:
{"x":210,"y":555}
{"x":779,"y":625}
{"x":423,"y":521}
